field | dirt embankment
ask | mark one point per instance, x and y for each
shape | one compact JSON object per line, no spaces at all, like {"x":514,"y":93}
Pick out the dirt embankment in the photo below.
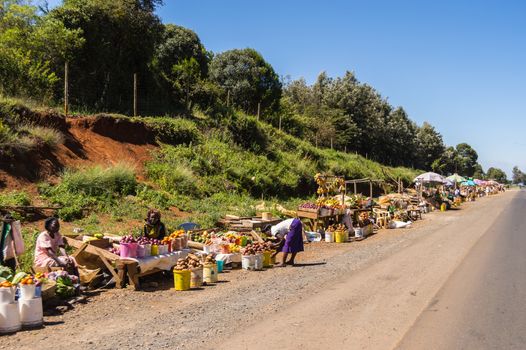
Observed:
{"x":89,"y":140}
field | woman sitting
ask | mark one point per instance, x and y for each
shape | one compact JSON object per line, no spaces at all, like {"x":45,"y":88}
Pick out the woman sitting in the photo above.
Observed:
{"x":50,"y":250}
{"x":154,"y":228}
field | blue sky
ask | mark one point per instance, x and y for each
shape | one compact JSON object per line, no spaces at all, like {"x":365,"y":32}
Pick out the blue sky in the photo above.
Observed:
{"x":457,"y":64}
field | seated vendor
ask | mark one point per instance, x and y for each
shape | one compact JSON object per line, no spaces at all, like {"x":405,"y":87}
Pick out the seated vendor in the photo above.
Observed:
{"x":290,"y":239}
{"x":49,"y":248}
{"x":154,"y":228}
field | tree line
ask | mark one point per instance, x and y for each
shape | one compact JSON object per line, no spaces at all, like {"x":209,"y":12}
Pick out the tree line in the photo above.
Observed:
{"x":106,"y":42}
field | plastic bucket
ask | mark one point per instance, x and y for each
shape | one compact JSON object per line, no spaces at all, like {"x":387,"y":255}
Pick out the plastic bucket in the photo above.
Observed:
{"x":266,"y":258}
{"x":272,"y":258}
{"x":196,"y":277}
{"x":147,"y":250}
{"x":31,"y":313}
{"x":140,"y":251}
{"x":340,"y":237}
{"x":27,"y":291}
{"x":128,"y":250}
{"x":329,"y":237}
{"x":443,"y":207}
{"x":220,"y":264}
{"x":9,"y":318}
{"x":210,"y":273}
{"x":7,"y":295}
{"x":358,"y":232}
{"x":177,"y":243}
{"x":182,"y":279}
{"x":207,"y":249}
{"x":155,"y":249}
{"x":248,"y":262}
{"x":258,"y":262}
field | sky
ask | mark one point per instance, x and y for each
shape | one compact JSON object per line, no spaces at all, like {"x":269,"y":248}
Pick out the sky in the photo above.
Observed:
{"x":456,"y":64}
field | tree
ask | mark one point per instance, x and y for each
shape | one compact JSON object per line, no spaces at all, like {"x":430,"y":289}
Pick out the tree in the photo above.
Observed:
{"x":400,"y":139}
{"x":466,"y":159}
{"x":517,"y":175}
{"x":497,"y":174}
{"x":248,"y":79}
{"x":430,"y":146}
{"x":447,"y":163}
{"x":120,"y":37}
{"x":479,"y":172}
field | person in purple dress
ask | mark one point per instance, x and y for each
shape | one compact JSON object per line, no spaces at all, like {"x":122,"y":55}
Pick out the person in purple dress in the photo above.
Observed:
{"x":289,"y":234}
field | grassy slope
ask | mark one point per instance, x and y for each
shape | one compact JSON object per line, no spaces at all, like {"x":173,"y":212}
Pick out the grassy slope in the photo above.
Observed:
{"x":207,"y":168}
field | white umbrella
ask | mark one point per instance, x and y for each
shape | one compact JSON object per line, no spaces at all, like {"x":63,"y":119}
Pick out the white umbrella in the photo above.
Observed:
{"x":430,"y":177}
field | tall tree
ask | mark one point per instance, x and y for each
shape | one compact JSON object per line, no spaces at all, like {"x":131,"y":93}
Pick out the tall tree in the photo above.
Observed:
{"x":497,"y":174}
{"x":430,"y":146}
{"x":466,"y":159}
{"x":247,"y":78}
{"x":517,"y":175}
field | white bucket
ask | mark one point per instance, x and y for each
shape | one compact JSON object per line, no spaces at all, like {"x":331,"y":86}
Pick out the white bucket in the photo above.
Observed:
{"x":258,"y":262}
{"x":31,"y":313}
{"x":9,"y":318}
{"x":147,"y":250}
{"x":329,"y":237}
{"x":358,"y":232}
{"x":196,"y":277}
{"x":27,"y":291}
{"x":7,"y":295}
{"x":248,"y":262}
{"x":207,"y":249}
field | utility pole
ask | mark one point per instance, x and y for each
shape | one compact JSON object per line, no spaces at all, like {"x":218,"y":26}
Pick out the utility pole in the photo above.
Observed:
{"x":134,"y":94}
{"x":66,"y":88}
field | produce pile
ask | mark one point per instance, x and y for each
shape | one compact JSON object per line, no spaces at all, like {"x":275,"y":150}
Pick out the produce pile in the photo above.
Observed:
{"x":328,"y":184}
{"x":67,"y":285}
{"x":190,"y":262}
{"x":209,"y":260}
{"x":340,"y":228}
{"x":257,"y":248}
{"x":226,"y":242}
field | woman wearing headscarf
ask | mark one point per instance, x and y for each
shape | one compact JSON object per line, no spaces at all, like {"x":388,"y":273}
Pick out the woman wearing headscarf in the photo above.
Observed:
{"x":49,"y":249}
{"x":154,"y":228}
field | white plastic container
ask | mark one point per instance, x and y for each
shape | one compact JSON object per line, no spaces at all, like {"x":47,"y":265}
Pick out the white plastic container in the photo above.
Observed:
{"x":27,"y":291}
{"x":329,"y":237}
{"x":147,"y":250}
{"x":358,"y":232}
{"x":9,"y":318}
{"x":248,"y":262}
{"x":7,"y":295}
{"x":258,"y":262}
{"x":31,"y":312}
{"x":196,"y":277}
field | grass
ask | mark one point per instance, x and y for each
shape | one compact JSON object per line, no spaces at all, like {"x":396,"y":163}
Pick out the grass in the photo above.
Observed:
{"x":15,"y":198}
{"x":48,"y":136}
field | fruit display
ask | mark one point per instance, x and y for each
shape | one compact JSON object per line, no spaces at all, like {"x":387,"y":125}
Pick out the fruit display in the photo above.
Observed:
{"x":209,"y":260}
{"x":6,"y":284}
{"x":327,"y":184}
{"x":308,"y":205}
{"x":98,"y":235}
{"x":128,"y":239}
{"x":66,"y":284}
{"x":190,"y":262}
{"x":27,"y":280}
{"x":115,"y":251}
{"x":337,"y":228}
{"x":143,"y":240}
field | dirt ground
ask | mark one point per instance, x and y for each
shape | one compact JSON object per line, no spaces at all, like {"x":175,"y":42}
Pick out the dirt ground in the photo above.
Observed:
{"x":363,"y":293}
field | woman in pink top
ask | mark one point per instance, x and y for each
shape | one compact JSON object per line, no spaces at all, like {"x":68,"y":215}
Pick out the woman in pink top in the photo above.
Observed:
{"x":49,"y":245}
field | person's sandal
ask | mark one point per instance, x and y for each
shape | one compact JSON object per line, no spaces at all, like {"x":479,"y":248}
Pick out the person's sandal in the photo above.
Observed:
{"x":280,"y":265}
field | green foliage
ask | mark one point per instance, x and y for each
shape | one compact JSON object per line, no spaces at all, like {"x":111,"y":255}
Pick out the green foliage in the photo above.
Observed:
{"x":15,"y":198}
{"x":26,"y":260}
{"x":90,"y":188}
{"x":173,"y":131}
{"x":248,"y":78}
{"x":430,"y":146}
{"x":48,"y":136}
{"x":518,"y":176}
{"x":497,"y":174}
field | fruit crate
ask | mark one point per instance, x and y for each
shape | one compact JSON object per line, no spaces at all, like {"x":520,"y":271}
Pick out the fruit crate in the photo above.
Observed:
{"x":309,"y":210}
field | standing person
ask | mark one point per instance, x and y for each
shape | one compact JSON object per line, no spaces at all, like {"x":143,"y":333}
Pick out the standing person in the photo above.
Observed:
{"x":290,"y":235}
{"x":154,"y":228}
{"x":50,"y":250}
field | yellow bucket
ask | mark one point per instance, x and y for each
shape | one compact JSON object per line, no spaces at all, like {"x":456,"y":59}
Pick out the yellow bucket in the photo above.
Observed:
{"x":267,"y":261}
{"x":182,"y":279}
{"x":155,"y":249}
{"x":340,"y":237}
{"x":272,"y":257}
{"x":443,"y":207}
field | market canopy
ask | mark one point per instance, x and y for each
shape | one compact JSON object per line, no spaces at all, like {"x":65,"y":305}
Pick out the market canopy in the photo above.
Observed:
{"x":456,"y":178}
{"x":430,"y":178}
{"x":480,"y":182}
{"x":469,"y":183}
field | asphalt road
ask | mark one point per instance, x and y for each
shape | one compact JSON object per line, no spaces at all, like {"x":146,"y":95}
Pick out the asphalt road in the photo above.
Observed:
{"x":483,"y":304}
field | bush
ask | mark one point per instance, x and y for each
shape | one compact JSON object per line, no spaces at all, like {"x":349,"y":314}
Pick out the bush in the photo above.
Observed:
{"x":15,"y":198}
{"x":90,"y":188}
{"x":174,"y":131}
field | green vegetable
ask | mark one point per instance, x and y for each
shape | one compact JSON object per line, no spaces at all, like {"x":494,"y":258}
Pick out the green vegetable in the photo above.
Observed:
{"x":18,"y":277}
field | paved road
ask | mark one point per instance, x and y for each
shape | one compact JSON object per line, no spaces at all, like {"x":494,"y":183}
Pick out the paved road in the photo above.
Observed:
{"x":483,"y":303}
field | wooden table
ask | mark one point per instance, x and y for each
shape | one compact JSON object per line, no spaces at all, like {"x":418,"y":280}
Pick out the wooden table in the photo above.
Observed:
{"x":314,"y":218}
